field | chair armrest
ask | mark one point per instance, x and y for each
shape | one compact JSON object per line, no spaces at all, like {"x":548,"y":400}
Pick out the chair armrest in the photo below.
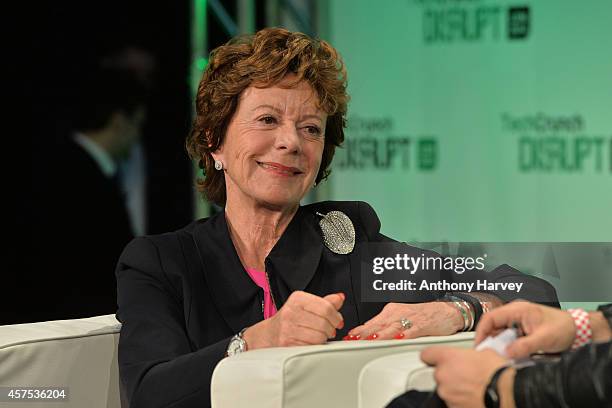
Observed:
{"x":308,"y":376}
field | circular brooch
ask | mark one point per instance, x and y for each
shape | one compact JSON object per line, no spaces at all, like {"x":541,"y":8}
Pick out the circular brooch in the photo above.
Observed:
{"x":338,"y":232}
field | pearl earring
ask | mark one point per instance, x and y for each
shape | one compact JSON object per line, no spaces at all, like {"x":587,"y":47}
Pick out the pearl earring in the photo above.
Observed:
{"x":218,"y":165}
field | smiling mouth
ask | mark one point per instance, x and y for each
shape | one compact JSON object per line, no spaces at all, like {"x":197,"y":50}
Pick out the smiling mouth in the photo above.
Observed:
{"x":280,"y":169}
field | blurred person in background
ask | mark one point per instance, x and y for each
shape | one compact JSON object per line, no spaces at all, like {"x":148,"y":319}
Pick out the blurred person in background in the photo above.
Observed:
{"x":134,"y":170}
{"x":81,"y":220}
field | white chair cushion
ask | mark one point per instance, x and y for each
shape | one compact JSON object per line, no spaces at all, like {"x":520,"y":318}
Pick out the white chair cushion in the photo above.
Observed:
{"x":387,"y":377}
{"x":308,"y":376}
{"x":80,"y":354}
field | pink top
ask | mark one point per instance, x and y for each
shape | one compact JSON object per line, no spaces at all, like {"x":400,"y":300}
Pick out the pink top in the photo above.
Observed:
{"x":260,"y":280}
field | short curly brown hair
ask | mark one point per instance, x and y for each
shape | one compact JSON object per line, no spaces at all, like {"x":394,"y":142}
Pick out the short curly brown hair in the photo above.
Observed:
{"x":263,"y":60}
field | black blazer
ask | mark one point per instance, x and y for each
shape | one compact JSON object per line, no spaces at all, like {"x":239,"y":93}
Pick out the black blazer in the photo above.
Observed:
{"x":183,"y":295}
{"x":81,"y":225}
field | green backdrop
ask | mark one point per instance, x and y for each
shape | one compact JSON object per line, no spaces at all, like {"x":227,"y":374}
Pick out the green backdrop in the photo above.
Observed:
{"x":478,"y":120}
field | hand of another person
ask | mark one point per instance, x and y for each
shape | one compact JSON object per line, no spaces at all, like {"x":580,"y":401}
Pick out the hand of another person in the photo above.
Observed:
{"x":462,"y":375}
{"x":426,"y":319}
{"x":545,"y":328}
{"x":304,"y":319}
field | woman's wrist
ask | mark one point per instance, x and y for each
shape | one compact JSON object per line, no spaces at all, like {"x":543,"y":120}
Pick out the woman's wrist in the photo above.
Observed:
{"x":254,"y":338}
{"x":456,"y":317}
{"x":600,"y":328}
{"x":505,"y":387}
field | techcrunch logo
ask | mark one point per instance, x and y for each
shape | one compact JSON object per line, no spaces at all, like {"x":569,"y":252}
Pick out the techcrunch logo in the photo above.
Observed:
{"x":564,"y":154}
{"x":542,"y":122}
{"x":446,"y":22}
{"x":411,"y":264}
{"x":363,"y":153}
{"x":371,"y":144}
{"x":558,"y":143}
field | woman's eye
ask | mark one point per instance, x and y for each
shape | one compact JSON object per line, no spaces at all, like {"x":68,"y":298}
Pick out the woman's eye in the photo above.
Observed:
{"x":268,"y":120}
{"x":313,"y":130}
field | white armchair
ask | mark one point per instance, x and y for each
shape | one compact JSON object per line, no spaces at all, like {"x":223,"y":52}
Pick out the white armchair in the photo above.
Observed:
{"x":81,"y":355}
{"x":337,"y":374}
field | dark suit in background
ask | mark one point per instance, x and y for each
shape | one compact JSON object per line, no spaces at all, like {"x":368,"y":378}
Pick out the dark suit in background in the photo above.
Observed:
{"x":81,"y":225}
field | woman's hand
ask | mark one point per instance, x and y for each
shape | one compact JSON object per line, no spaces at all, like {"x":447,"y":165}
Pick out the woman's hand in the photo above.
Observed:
{"x":545,"y":328}
{"x":427,"y":319}
{"x":305,"y":319}
{"x":462,"y":375}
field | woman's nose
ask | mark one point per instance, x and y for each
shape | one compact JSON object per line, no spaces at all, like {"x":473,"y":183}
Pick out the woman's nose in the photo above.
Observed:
{"x":288,"y":138}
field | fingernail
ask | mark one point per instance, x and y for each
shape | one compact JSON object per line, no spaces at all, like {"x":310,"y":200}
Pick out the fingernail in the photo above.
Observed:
{"x":399,"y":336}
{"x":334,"y":334}
{"x":372,"y":336}
{"x":341,"y":325}
{"x":345,"y":338}
{"x":343,"y":296}
{"x":354,"y":337}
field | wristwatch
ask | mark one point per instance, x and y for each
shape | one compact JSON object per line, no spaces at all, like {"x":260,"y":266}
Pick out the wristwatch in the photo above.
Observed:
{"x":236,"y":345}
{"x":491,"y":396}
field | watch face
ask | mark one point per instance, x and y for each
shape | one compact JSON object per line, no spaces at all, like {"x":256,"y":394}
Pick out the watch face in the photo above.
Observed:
{"x":235,"y":347}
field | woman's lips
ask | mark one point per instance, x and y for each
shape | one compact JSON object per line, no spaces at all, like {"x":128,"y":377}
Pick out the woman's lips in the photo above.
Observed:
{"x":279,"y":169}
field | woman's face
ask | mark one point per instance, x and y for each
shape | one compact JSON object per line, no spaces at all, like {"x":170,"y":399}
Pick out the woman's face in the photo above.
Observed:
{"x":273,"y":145}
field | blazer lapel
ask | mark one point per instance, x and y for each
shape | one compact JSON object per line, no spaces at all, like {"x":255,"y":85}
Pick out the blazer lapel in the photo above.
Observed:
{"x":234,"y":293}
{"x":291,"y":265}
{"x":294,"y":260}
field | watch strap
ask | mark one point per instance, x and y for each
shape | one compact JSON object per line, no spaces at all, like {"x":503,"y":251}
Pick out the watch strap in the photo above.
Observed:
{"x":491,"y":395}
{"x":238,"y":337}
{"x":241,"y":332}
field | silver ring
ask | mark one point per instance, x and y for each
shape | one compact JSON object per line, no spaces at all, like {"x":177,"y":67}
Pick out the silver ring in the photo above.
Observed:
{"x":406,"y":323}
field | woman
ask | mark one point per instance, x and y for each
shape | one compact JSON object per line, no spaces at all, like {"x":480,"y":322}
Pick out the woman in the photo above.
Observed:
{"x":262,"y":273}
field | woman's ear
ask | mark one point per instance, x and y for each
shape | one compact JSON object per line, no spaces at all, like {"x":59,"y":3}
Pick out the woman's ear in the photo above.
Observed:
{"x":210,"y":143}
{"x":217,"y":155}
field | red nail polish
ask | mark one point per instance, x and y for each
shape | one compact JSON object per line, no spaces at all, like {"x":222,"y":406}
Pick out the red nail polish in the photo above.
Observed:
{"x":346,"y":338}
{"x":399,"y":336}
{"x":372,"y":336}
{"x":354,"y":337}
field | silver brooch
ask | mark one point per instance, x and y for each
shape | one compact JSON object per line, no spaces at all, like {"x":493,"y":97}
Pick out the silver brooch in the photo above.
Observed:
{"x":338,"y":232}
